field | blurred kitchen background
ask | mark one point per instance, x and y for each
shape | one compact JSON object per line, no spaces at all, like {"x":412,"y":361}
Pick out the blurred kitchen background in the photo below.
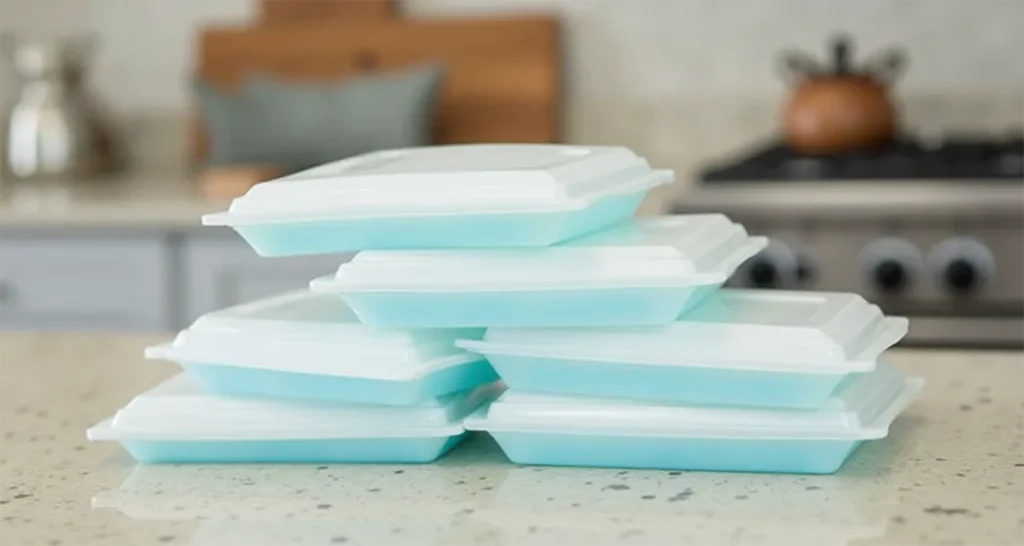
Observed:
{"x":878,"y":143}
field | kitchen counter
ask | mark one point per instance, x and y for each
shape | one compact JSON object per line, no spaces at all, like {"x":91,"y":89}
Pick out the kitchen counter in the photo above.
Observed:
{"x":171,"y":201}
{"x":139,"y":201}
{"x":143,"y":200}
{"x":952,"y":472}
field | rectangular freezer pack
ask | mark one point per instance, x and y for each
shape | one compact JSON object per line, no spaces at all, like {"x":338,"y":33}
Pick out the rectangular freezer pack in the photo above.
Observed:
{"x":640,"y":272}
{"x":479,"y":195}
{"x":301,"y":345}
{"x":766,"y":348}
{"x":178,"y":422}
{"x":557,"y":430}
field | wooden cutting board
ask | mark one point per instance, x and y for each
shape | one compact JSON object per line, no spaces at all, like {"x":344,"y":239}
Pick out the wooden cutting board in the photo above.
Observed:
{"x":502,"y":76}
{"x":223,"y":183}
{"x":301,"y":11}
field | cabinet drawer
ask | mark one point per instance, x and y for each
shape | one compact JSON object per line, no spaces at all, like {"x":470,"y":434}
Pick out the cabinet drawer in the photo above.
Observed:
{"x":107,"y":281}
{"x":221,"y":270}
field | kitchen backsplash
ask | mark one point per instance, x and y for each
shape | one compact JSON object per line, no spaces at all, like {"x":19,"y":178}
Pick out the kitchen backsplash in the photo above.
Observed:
{"x":681,"y":81}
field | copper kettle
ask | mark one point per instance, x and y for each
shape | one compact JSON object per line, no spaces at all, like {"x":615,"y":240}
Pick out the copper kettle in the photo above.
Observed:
{"x":839,"y":107}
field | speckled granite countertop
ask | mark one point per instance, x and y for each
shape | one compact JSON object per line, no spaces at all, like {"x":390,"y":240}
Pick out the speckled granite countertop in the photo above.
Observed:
{"x":951,"y":473}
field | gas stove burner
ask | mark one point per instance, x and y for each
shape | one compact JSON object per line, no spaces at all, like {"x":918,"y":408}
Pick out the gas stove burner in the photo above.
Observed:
{"x":955,"y":158}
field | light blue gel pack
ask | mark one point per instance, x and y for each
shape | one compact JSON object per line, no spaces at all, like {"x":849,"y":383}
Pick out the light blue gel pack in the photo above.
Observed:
{"x":466,"y":196}
{"x":178,"y":422}
{"x":540,"y":429}
{"x":301,"y":345}
{"x":766,"y":348}
{"x":643,"y":271}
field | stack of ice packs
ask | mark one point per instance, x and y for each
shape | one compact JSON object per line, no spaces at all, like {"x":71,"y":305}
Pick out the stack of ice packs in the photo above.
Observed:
{"x":615,"y":344}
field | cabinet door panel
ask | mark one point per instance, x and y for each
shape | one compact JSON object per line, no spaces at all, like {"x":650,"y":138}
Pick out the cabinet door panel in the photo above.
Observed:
{"x":90,"y":282}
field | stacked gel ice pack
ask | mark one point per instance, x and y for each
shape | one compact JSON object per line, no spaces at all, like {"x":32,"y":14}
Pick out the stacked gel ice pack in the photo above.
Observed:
{"x":299,"y":377}
{"x":617,"y":345}
{"x":766,"y":381}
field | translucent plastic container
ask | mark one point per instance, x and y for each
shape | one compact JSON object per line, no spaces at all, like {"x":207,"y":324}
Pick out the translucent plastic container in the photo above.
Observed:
{"x":643,"y":271}
{"x":740,"y":347}
{"x":481,"y":195}
{"x":575,"y":431}
{"x":178,"y":422}
{"x":307,"y":346}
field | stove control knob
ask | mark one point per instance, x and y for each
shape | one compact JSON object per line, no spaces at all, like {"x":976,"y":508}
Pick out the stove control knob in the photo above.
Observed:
{"x":891,"y":275}
{"x":891,"y":264}
{"x":774,"y":267}
{"x":763,"y":273}
{"x":961,"y":276}
{"x":962,"y":265}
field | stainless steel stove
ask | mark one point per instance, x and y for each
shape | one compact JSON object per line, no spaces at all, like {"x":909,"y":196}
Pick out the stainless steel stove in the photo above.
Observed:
{"x":931,"y":231}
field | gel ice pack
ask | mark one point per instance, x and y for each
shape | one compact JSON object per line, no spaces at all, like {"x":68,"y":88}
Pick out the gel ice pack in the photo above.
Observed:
{"x":576,"y":431}
{"x":309,"y":346}
{"x":178,"y":422}
{"x":480,"y":195}
{"x":740,"y":347}
{"x":642,"y":271}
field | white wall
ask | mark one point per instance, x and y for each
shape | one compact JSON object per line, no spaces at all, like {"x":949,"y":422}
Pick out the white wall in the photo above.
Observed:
{"x":145,"y":50}
{"x":676,"y":78}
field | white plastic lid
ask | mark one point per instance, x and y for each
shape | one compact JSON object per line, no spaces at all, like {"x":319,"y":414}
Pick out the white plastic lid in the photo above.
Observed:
{"x":764,"y":330}
{"x":180,"y":409}
{"x":666,"y":251}
{"x":311,"y":333}
{"x":462,"y":179}
{"x":862,"y":410}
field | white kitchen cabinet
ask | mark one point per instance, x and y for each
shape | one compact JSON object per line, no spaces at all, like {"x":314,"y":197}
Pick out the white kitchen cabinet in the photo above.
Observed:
{"x":221,"y":270}
{"x":136,"y":279}
{"x":86,"y":281}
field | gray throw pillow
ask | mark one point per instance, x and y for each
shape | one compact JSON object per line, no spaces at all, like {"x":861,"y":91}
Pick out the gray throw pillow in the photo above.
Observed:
{"x":231,"y":124}
{"x":298,"y":124}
